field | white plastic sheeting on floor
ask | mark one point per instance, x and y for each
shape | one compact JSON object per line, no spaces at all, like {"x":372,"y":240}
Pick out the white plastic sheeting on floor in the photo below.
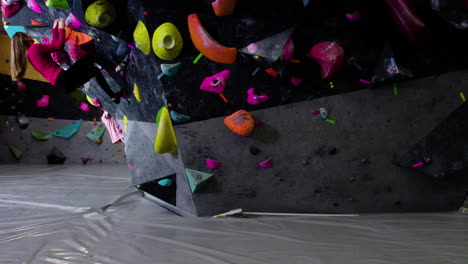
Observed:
{"x":91,"y":214}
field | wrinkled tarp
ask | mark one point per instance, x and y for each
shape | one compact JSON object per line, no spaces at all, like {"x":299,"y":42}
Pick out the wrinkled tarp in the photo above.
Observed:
{"x":91,"y":214}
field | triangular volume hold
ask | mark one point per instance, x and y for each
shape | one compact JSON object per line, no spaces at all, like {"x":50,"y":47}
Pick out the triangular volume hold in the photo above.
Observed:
{"x":197,"y":178}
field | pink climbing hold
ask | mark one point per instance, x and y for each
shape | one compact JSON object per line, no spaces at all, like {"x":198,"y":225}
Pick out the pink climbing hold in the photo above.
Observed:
{"x":315,"y":112}
{"x":43,"y":102}
{"x":266,"y":164}
{"x":253,"y":48}
{"x":330,"y":56}
{"x":34,"y":6}
{"x":84,"y":107}
{"x":296,"y":81}
{"x":73,"y":22}
{"x":254,"y":99}
{"x":96,"y":102}
{"x":418,"y":164}
{"x":212,"y":164}
{"x":259,"y":123}
{"x":21,"y":86}
{"x":288,"y":50}
{"x":353,"y":17}
{"x":130,"y":165}
{"x":10,"y":7}
{"x":216,"y":83}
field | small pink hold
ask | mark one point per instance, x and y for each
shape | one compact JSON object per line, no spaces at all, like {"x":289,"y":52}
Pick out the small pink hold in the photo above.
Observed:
{"x":254,"y":99}
{"x":353,"y":17}
{"x":74,"y":122}
{"x":91,"y":159}
{"x":296,"y":81}
{"x":418,"y":164}
{"x":279,"y":179}
{"x":84,"y":121}
{"x":365,"y":81}
{"x":259,"y":123}
{"x":130,"y":165}
{"x":95,"y":124}
{"x":216,"y":83}
{"x":43,"y":102}
{"x":96,"y":102}
{"x":131,"y":46}
{"x":266,"y":164}
{"x":73,"y":22}
{"x":212,"y":164}
{"x":288,"y":50}
{"x":34,"y":6}
{"x":84,"y":107}
{"x":315,"y":112}
{"x":253,"y":48}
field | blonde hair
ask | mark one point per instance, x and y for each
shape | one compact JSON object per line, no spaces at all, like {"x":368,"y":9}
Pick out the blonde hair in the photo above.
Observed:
{"x":19,"y":52}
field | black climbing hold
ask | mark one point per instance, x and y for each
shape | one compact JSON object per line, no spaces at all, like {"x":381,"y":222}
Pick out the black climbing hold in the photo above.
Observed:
{"x":254,"y":150}
{"x":84,"y":160}
{"x":55,"y":156}
{"x":23,"y":121}
{"x":332,"y":151}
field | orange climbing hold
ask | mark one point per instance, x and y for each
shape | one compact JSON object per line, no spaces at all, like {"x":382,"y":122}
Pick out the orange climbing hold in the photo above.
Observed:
{"x":77,"y":38}
{"x":209,"y":47}
{"x":36,"y":23}
{"x":241,"y":123}
{"x":272,"y":72}
{"x":224,"y":7}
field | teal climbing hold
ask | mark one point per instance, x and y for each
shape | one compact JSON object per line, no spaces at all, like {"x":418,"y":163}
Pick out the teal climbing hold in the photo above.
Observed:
{"x":67,"y":131}
{"x":15,"y":152}
{"x":40,"y":135}
{"x":171,"y":69}
{"x":96,"y":134}
{"x":179,"y":118}
{"x":166,"y":182}
{"x":197,"y":178}
{"x":12,"y":30}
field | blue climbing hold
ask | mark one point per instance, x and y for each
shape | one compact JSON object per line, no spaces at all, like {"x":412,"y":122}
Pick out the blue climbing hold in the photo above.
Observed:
{"x":68,"y":131}
{"x":179,"y":118}
{"x":166,"y":182}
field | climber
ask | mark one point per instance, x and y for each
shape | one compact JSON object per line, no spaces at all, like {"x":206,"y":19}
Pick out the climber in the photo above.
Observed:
{"x":39,"y":56}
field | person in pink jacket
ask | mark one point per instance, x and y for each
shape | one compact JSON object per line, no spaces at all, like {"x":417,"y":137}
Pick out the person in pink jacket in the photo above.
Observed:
{"x":39,"y":55}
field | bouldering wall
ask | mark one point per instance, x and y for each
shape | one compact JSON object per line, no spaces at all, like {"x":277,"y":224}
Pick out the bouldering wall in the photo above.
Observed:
{"x":79,"y":146}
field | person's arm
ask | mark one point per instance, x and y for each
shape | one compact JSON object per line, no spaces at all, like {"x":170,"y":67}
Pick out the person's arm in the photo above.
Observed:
{"x":58,"y":39}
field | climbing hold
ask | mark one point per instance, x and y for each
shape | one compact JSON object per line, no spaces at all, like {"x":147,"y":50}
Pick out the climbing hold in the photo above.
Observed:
{"x":171,"y":69}
{"x":36,"y":23}
{"x":67,"y":131}
{"x":365,"y":81}
{"x":73,"y":37}
{"x":462,"y":96}
{"x":417,"y":164}
{"x":84,"y":160}
{"x":145,"y":13}
{"x":179,"y":118}
{"x":123,"y":48}
{"x":253,"y":48}
{"x":296,"y":81}
{"x":330,"y":56}
{"x":50,"y":119}
{"x":266,"y":164}
{"x":255,"y":71}
{"x":166,"y":182}
{"x":254,"y":99}
{"x":12,"y":30}
{"x":141,"y":38}
{"x":323,"y":112}
{"x":199,"y":56}
{"x":100,"y":14}
{"x":272,"y":47}
{"x":84,"y":107}
{"x":167,"y":42}
{"x":72,"y":21}
{"x":59,"y":4}
{"x":241,"y":123}
{"x":197,"y":178}
{"x":305,"y":2}
{"x":332,"y":151}
{"x":165,"y":141}
{"x":216,"y":83}
{"x":351,"y":179}
{"x":40,"y":135}
{"x":118,"y":149}
{"x":224,"y":7}
{"x":330,"y":121}
{"x":43,"y":102}
{"x":279,"y":179}
{"x":254,"y":151}
{"x":272,"y":72}
{"x":96,"y":134}
{"x":207,"y":45}
{"x":15,"y":152}
{"x":55,"y":156}
{"x":353,"y":17}
{"x":34,"y":6}
{"x":136,"y":92}
{"x":125,"y":123}
{"x":212,"y":164}
{"x":22,"y":121}
{"x":10,"y":7}
{"x":288,"y":50}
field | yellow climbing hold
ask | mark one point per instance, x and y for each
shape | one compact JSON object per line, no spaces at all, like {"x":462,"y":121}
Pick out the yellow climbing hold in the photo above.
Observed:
{"x":125,"y":121}
{"x":142,"y":38}
{"x":167,"y":41}
{"x":136,"y":92}
{"x":165,"y":141}
{"x":90,"y":101}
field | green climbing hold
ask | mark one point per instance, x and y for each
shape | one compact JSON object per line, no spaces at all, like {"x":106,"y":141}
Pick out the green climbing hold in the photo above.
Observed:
{"x":96,"y":134}
{"x":100,"y":14}
{"x":60,"y":4}
{"x":67,"y":131}
{"x":197,"y":178}
{"x":40,"y":135}
{"x":165,"y":141}
{"x":15,"y":152}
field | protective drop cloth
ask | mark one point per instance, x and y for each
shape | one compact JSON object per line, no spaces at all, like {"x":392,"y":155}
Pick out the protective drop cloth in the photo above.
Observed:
{"x":91,"y":214}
